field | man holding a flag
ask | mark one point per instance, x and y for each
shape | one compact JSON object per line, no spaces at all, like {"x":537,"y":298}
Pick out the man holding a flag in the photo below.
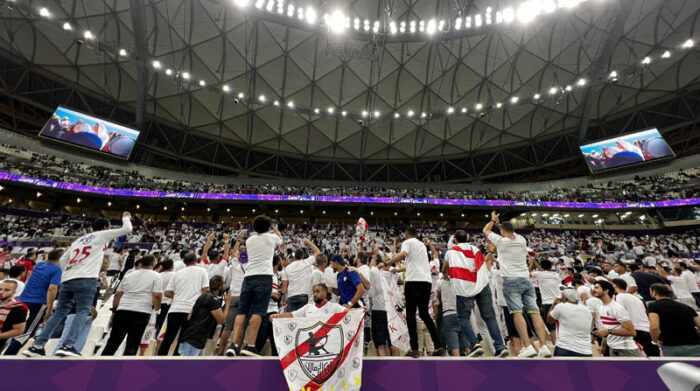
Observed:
{"x":470,"y":280}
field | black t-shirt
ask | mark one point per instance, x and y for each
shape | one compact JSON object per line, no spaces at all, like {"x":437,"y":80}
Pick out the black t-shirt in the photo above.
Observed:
{"x":676,"y":321}
{"x":202,"y":321}
{"x":644,"y":280}
{"x":17,"y":315}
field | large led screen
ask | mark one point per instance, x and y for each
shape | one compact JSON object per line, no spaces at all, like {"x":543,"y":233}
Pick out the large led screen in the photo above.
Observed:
{"x":90,"y":132}
{"x":626,"y":150}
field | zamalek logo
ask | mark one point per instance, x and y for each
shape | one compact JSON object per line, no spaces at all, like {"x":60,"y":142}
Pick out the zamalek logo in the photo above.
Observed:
{"x":319,"y":350}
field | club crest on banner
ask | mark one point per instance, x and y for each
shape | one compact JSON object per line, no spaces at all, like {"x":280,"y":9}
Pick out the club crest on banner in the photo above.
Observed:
{"x":324,"y":352}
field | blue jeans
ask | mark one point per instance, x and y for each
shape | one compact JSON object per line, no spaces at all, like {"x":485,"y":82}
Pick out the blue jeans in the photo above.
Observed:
{"x":485,"y":302}
{"x":520,"y":295}
{"x":681,"y":351}
{"x":451,"y":329}
{"x":296,"y":302}
{"x":78,"y":293}
{"x":82,"y":334}
{"x":189,"y":350}
{"x":255,"y":295}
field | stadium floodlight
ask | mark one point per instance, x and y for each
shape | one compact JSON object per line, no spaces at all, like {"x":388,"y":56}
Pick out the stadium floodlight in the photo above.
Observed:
{"x":262,"y":98}
{"x":450,"y":110}
{"x":375,"y":28}
{"x":581,"y":82}
{"x":270,"y":5}
{"x":402,"y":27}
{"x":186,"y":75}
{"x":499,"y":105}
{"x":477,"y":20}
{"x":548,"y":6}
{"x":568,"y":88}
{"x":488,"y":15}
{"x":478,"y":106}
{"x":409,"y":113}
{"x":301,"y":13}
{"x":331,"y":110}
{"x":458,"y":23}
{"x":202,"y":83}
{"x":364,"y":113}
{"x":310,"y":15}
{"x":44,"y":12}
{"x":412,"y":26}
{"x":528,"y":11}
{"x":613,"y":76}
{"x":464,"y":110}
{"x":377,"y":114}
{"x":553,"y":91}
{"x":441,"y":25}
{"x":241,"y":3}
{"x":168,"y":71}
{"x":88,"y":34}
{"x":594,"y":216}
{"x":259,"y":3}
{"x":344,"y":113}
{"x":508,"y":15}
{"x":667,"y":54}
{"x":317,"y":111}
{"x":421,"y":26}
{"x":514,"y":100}
{"x":290,"y":10}
{"x":392,"y":27}
{"x":336,"y":22}
{"x":356,"y":23}
{"x":468,"y":22}
{"x":432,"y":26}
{"x":241,"y":95}
{"x":122,"y":52}
{"x":225,"y":88}
{"x":397,"y":115}
{"x":276,"y":103}
{"x":156,"y":64}
{"x":109,"y":203}
{"x":290,"y":104}
{"x":67,"y":26}
{"x":536,"y":96}
{"x":423,"y":114}
{"x":646,"y":60}
{"x":366,"y":25}
{"x":688,"y":44}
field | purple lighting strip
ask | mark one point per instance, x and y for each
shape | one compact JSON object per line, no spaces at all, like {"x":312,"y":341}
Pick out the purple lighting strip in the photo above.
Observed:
{"x":6,"y":176}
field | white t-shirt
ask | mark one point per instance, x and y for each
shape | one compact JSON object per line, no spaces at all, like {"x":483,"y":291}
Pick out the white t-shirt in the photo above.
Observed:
{"x":313,"y":310}
{"x":114,"y":261}
{"x":593,"y":304}
{"x":680,"y":288}
{"x":549,"y":285}
{"x":573,"y":327}
{"x":611,"y":316}
{"x":512,"y":255}
{"x":139,"y":287}
{"x":629,"y":280}
{"x":364,"y":271}
{"x":376,"y":291}
{"x":235,"y":274}
{"x":187,"y":285}
{"x":635,"y":308}
{"x":448,"y":297}
{"x":689,"y":278}
{"x":85,"y":256}
{"x":216,"y":269}
{"x":497,"y":278}
{"x":261,"y":249}
{"x":417,"y":262}
{"x":178,"y":265}
{"x":298,"y":273}
{"x":166,"y":277}
{"x":272,"y":306}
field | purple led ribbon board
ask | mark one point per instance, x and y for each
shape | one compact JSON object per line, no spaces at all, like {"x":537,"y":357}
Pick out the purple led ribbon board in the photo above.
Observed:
{"x":6,"y":176}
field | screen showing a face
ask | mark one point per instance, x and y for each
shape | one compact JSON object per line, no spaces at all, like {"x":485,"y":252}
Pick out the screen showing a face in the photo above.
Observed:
{"x":90,"y":132}
{"x":625,"y":150}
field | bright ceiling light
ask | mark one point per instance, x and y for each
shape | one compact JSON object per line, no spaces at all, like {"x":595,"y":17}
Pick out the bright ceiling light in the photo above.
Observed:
{"x":241,"y":95}
{"x":392,"y":27}
{"x":458,"y":23}
{"x":336,"y":22}
{"x":290,"y":104}
{"x":259,"y":3}
{"x":366,"y":25}
{"x":156,"y":64}
{"x":499,"y":105}
{"x":310,"y":15}
{"x":450,"y":110}
{"x":468,"y":22}
{"x":344,"y":113}
{"x":514,"y":100}
{"x":364,"y":113}
{"x":412,"y":26}
{"x":528,"y":11}
{"x":241,"y":3}
{"x":44,"y":12}
{"x":666,"y":54}
{"x":568,"y":88}
{"x":317,"y":111}
{"x":122,"y":52}
{"x":613,"y":76}
{"x":464,"y":110}
{"x":431,"y":26}
{"x":377,"y":114}
{"x":331,"y":110}
{"x":276,"y":103}
{"x":553,"y":91}
{"x":548,"y":6}
{"x":581,"y":82}
{"x":646,"y":60}
{"x":477,"y":20}
{"x":67,"y":26}
{"x":409,"y":113}
{"x":421,"y":26}
{"x":688,"y":44}
{"x":290,"y":10}
{"x":488,"y":15}
{"x":262,"y":98}
{"x":186,"y":75}
{"x":441,"y":25}
{"x":375,"y":28}
{"x":402,"y":27}
{"x":88,"y":34}
{"x":423,"y":115}
{"x":397,"y":115}
{"x":225,"y":88}
{"x":202,"y":83}
{"x":478,"y":106}
{"x":508,"y":15}
{"x":270,"y":5}
{"x":356,"y":23}
{"x":536,"y":96}
{"x":168,"y":71}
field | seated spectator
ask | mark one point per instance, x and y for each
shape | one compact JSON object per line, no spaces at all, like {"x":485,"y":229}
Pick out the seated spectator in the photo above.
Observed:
{"x":13,"y":314}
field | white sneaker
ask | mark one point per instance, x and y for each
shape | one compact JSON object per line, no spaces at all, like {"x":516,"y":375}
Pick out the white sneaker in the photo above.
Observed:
{"x":527,"y":352}
{"x":544,"y":352}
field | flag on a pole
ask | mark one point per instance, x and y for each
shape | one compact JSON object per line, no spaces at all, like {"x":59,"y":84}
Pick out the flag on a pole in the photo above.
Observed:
{"x":321,"y":353}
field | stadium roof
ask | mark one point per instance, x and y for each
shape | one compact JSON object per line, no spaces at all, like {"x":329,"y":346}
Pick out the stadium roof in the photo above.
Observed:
{"x":480,"y":90}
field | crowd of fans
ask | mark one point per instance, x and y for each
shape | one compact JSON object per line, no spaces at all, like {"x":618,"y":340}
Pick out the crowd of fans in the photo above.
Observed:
{"x":495,"y":292}
{"x":680,"y":184}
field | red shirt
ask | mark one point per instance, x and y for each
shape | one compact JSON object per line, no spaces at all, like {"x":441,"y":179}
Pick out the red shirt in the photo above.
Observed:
{"x":28,"y":266}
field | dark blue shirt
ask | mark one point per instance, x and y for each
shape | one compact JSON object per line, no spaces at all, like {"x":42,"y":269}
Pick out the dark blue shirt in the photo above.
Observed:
{"x":44,"y":274}
{"x":347,"y":285}
{"x":644,"y":281}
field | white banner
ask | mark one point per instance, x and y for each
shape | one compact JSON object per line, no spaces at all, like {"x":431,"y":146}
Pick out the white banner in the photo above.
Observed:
{"x":396,"y":321}
{"x":321,"y":353}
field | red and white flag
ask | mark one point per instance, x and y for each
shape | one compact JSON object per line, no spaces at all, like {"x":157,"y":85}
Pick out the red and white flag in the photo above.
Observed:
{"x":321,"y":353}
{"x":396,"y":320}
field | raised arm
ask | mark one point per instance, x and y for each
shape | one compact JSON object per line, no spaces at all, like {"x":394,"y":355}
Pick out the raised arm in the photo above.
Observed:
{"x":494,"y":221}
{"x":227,"y":247}
{"x":432,"y":248}
{"x":125,"y":229}
{"x":313,"y":247}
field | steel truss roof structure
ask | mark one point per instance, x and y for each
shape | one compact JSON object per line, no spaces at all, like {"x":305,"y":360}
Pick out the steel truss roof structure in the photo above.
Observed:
{"x":256,"y":53}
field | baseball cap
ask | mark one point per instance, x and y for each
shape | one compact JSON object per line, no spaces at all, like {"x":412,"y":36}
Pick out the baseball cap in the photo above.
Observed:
{"x":571,"y":295}
{"x":338,"y":258}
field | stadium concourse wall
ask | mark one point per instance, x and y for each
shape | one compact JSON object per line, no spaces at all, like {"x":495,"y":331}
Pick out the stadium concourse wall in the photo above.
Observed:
{"x":63,"y":152}
{"x":377,"y":374}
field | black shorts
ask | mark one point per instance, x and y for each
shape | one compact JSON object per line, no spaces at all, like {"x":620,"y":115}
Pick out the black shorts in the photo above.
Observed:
{"x":380,"y":329}
{"x":510,"y":324}
{"x":545,"y":311}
